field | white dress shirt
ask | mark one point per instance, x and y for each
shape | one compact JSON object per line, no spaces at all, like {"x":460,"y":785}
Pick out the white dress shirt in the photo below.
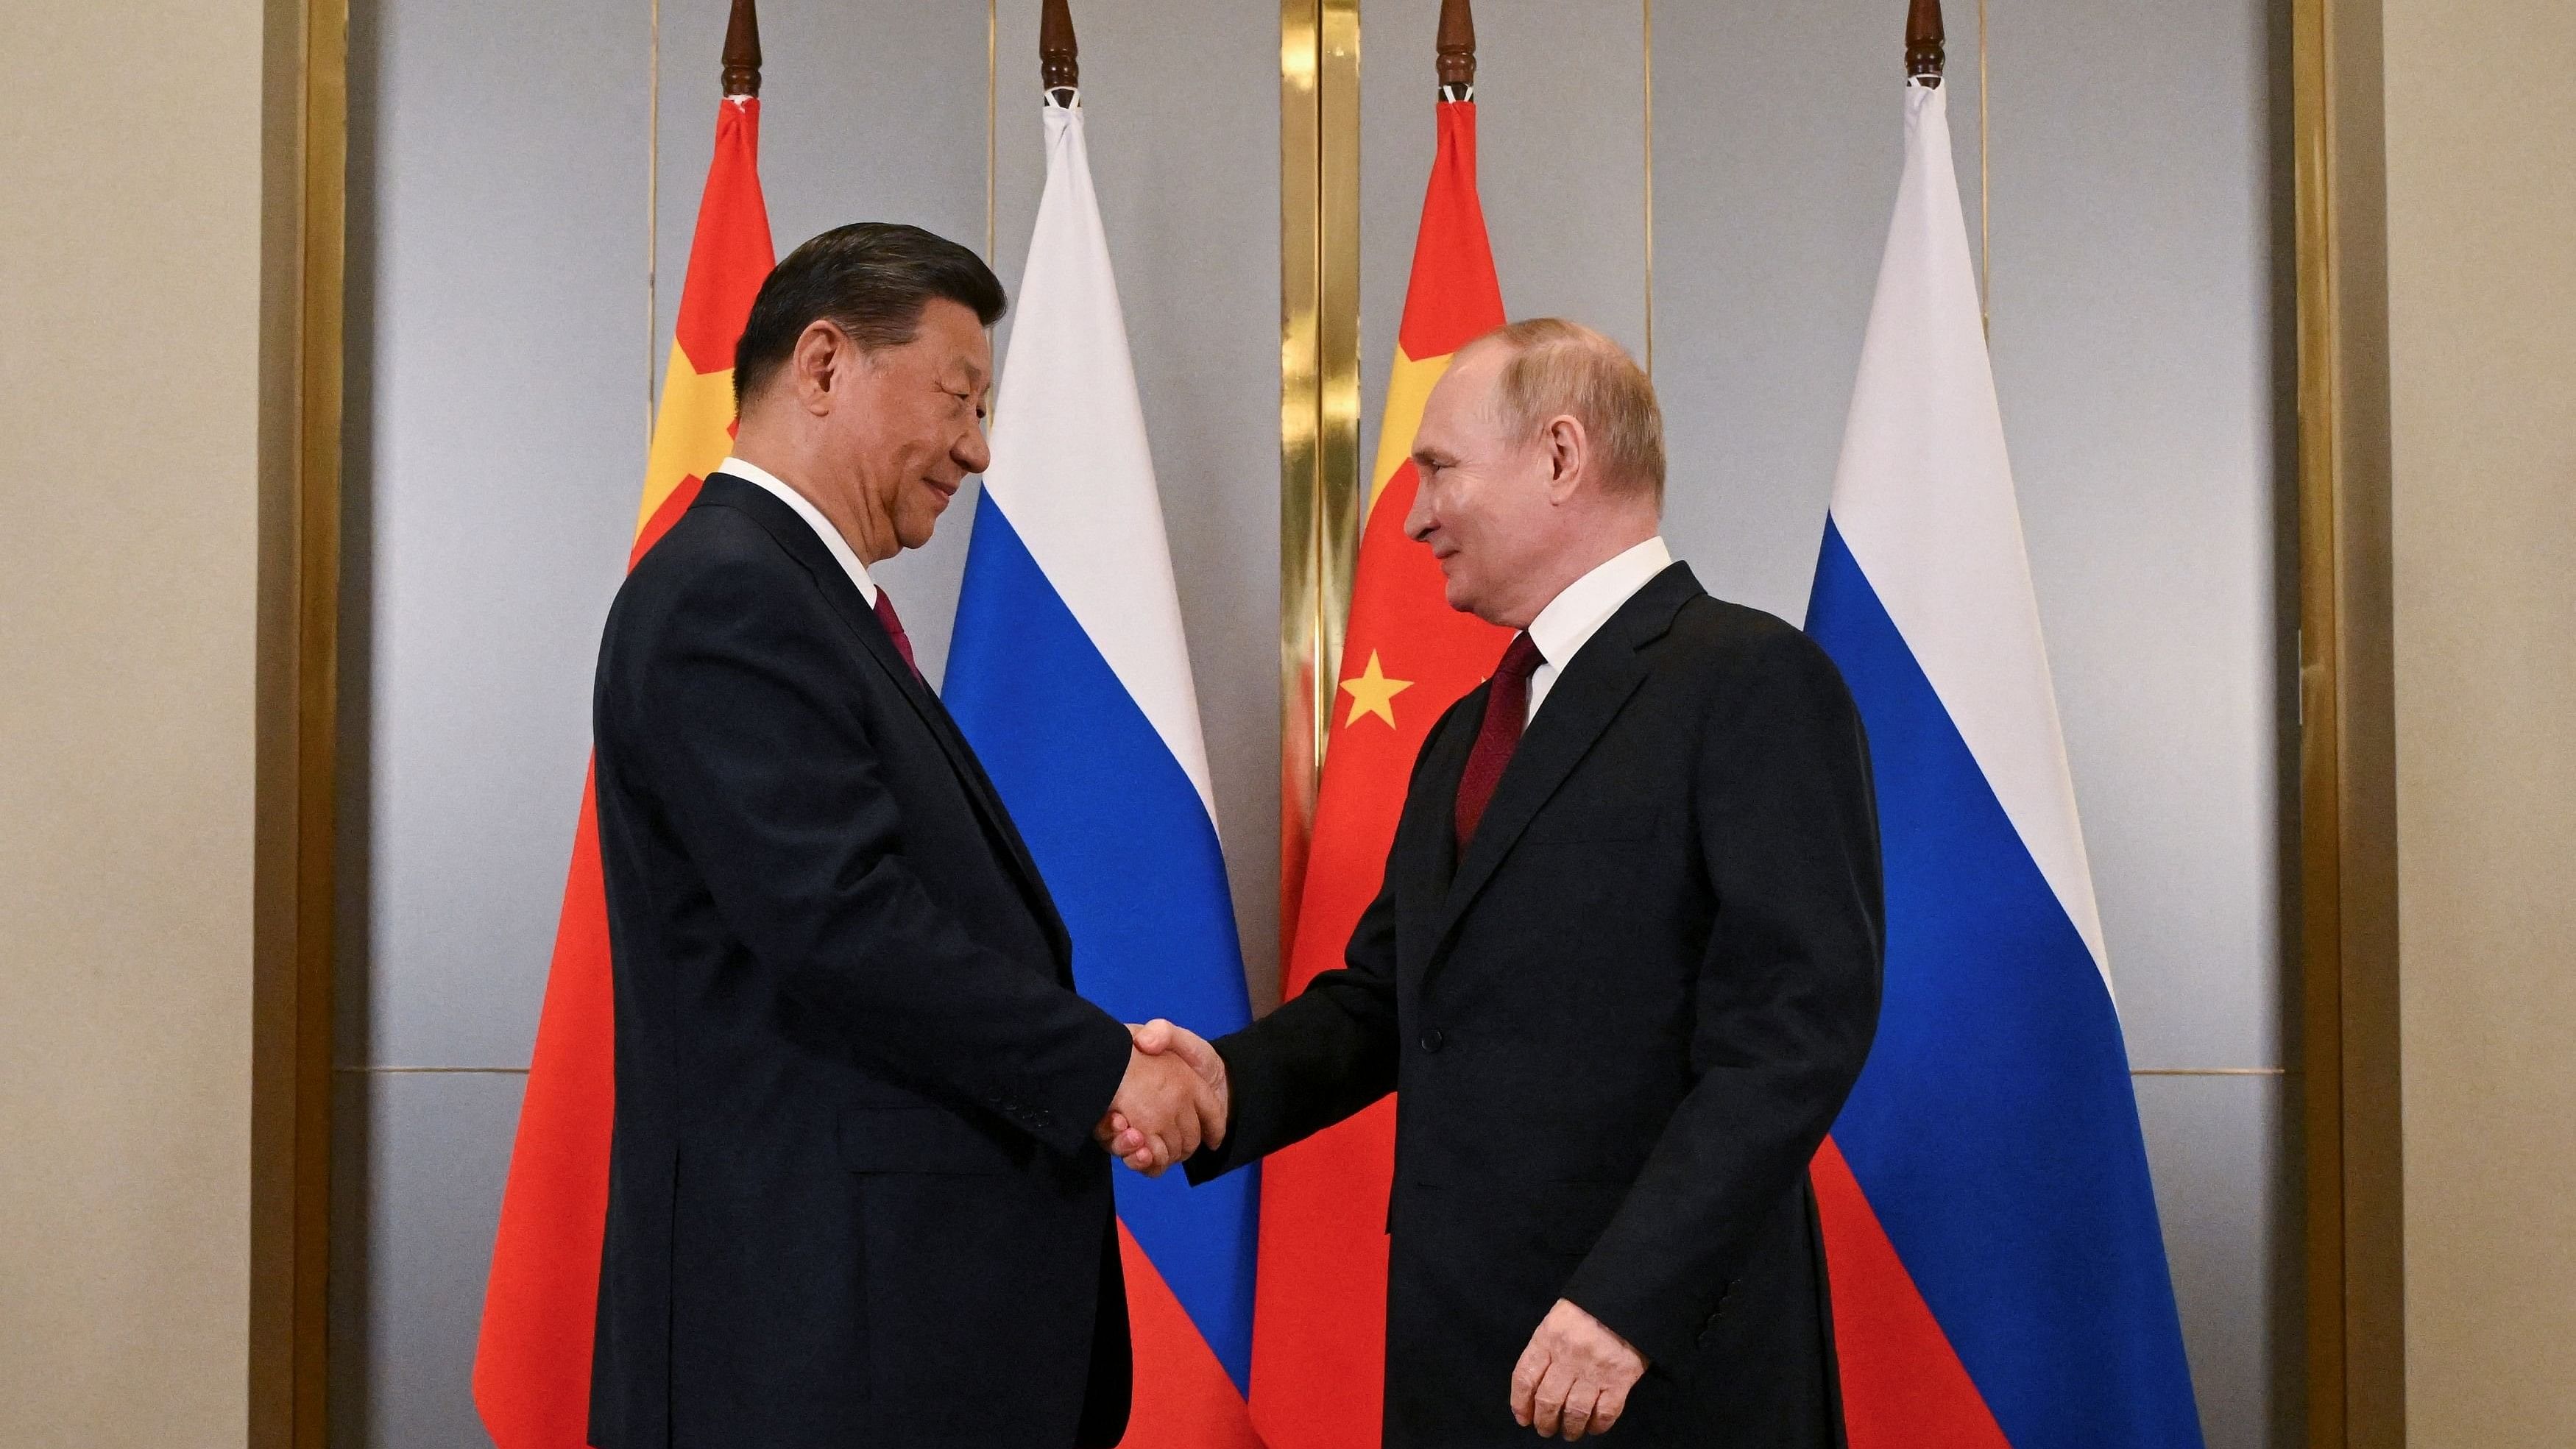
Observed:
{"x":1571,"y":618}
{"x":805,"y":509}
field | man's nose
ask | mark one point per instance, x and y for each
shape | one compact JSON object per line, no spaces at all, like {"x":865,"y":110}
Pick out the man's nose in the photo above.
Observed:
{"x":973,"y":453}
{"x":1417,"y":519}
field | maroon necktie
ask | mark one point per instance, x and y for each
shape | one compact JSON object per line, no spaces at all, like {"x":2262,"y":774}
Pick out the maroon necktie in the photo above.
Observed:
{"x":894,"y":629}
{"x":1506,"y":711}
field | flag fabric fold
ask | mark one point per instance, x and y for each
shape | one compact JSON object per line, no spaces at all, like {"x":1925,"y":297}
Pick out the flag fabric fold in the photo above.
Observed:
{"x":532,"y":1361}
{"x":1319,"y":1334}
{"x":1998,"y":1273}
{"x":1070,"y":674}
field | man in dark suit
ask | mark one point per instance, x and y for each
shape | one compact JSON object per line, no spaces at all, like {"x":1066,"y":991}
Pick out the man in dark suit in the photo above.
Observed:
{"x":1624,"y":965}
{"x":856,"y":1196}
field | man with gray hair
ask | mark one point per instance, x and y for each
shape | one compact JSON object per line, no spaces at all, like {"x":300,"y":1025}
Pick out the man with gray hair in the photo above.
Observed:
{"x":1623,"y":968}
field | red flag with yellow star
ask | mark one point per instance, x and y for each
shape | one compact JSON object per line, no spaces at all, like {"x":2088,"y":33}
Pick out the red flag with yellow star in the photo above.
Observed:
{"x":1319,"y":1315}
{"x":532,"y":1365}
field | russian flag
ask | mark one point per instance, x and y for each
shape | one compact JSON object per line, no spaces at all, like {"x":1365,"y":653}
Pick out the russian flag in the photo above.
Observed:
{"x":1998,"y":1273}
{"x":1069,"y":673}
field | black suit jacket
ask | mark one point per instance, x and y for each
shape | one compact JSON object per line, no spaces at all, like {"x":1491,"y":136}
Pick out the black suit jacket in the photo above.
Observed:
{"x":1621,"y":1025}
{"x":853,"y":1197}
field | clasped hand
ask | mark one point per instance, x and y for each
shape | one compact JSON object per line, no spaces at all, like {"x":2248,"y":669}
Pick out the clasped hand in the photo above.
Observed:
{"x":1172,"y":1101}
{"x":1574,"y":1378}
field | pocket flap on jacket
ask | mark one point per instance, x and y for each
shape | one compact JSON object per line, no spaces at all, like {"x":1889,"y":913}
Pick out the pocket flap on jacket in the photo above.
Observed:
{"x":919,"y":1139}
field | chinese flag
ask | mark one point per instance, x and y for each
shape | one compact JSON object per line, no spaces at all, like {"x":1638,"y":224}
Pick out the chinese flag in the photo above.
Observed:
{"x":532,"y":1366}
{"x":1319,"y":1319}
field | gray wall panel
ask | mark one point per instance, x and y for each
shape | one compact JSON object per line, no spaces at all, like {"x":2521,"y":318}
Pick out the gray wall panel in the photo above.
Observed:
{"x":427,"y":1153}
{"x":496,"y":444}
{"x":2229,"y":1200}
{"x":1778,"y":139}
{"x":2133,"y":339}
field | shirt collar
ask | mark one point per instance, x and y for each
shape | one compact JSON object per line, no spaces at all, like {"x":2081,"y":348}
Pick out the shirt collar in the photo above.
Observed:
{"x":1571,"y":618}
{"x":762,"y":478}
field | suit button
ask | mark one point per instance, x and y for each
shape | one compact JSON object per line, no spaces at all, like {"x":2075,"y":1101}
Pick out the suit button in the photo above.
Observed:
{"x":1432,"y":1039}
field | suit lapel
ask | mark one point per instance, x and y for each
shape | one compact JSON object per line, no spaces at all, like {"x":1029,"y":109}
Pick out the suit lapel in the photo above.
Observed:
{"x":988,"y":801}
{"x":1593,"y":687}
{"x":1426,"y":843}
{"x":797,"y":537}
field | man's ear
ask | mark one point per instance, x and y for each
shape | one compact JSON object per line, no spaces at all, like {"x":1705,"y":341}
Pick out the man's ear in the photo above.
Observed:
{"x":820,"y":361}
{"x":1569,"y":455}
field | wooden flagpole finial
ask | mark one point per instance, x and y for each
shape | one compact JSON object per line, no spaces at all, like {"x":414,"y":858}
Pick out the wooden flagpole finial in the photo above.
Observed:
{"x":1059,"y":58}
{"x":742,"y":50}
{"x":1923,"y":41}
{"x":1457,"y":46}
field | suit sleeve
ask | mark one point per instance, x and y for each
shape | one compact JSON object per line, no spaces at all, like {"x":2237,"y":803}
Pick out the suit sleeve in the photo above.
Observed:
{"x":1331,"y":1049}
{"x":771,"y":782}
{"x":1783,"y":810}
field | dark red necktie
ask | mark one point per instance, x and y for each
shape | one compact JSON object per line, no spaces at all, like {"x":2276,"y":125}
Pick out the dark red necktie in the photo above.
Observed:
{"x":894,"y":629}
{"x":1506,"y":712}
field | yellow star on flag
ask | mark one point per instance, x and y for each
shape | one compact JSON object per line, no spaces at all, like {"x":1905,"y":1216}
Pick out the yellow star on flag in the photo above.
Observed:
{"x":1373,"y":693}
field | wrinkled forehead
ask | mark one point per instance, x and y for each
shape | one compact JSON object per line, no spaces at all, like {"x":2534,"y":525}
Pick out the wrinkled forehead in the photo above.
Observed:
{"x":1473,"y":378}
{"x":1480,"y":363}
{"x":1468,"y":397}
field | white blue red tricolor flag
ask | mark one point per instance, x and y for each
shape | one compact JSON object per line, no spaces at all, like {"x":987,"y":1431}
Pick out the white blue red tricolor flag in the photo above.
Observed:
{"x":1998,"y":1274}
{"x":1069,"y":673}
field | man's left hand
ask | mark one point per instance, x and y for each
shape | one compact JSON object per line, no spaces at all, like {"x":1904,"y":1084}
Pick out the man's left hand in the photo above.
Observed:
{"x":1159,"y":1038}
{"x":1574,"y":1377}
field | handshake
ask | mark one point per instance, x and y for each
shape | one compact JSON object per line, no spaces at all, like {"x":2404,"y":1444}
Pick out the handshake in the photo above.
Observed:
{"x":1172,"y":1100}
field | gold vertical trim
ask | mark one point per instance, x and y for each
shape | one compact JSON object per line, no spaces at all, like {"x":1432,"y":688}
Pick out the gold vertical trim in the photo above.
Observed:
{"x":2352,"y":1148}
{"x":2319,"y":1060}
{"x":1339,"y":474}
{"x":303,"y":258}
{"x":1301,"y":386}
{"x":1319,"y":390}
{"x":1649,"y":29}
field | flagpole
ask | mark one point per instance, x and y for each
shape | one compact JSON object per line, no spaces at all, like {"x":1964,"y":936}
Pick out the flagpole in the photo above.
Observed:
{"x":1455,"y":47}
{"x":1059,"y":56}
{"x":1923,"y":42}
{"x":742,"y":50}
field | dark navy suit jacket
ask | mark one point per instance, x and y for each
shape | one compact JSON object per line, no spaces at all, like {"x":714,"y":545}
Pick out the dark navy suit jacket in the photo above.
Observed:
{"x":853,"y":1194}
{"x":1621,"y":1024}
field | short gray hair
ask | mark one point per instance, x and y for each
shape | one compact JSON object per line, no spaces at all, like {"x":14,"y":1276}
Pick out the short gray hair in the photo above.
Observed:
{"x":1565,"y":369}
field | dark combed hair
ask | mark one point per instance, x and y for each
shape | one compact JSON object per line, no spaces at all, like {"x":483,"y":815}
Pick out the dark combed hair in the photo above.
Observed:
{"x":870,"y":279}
